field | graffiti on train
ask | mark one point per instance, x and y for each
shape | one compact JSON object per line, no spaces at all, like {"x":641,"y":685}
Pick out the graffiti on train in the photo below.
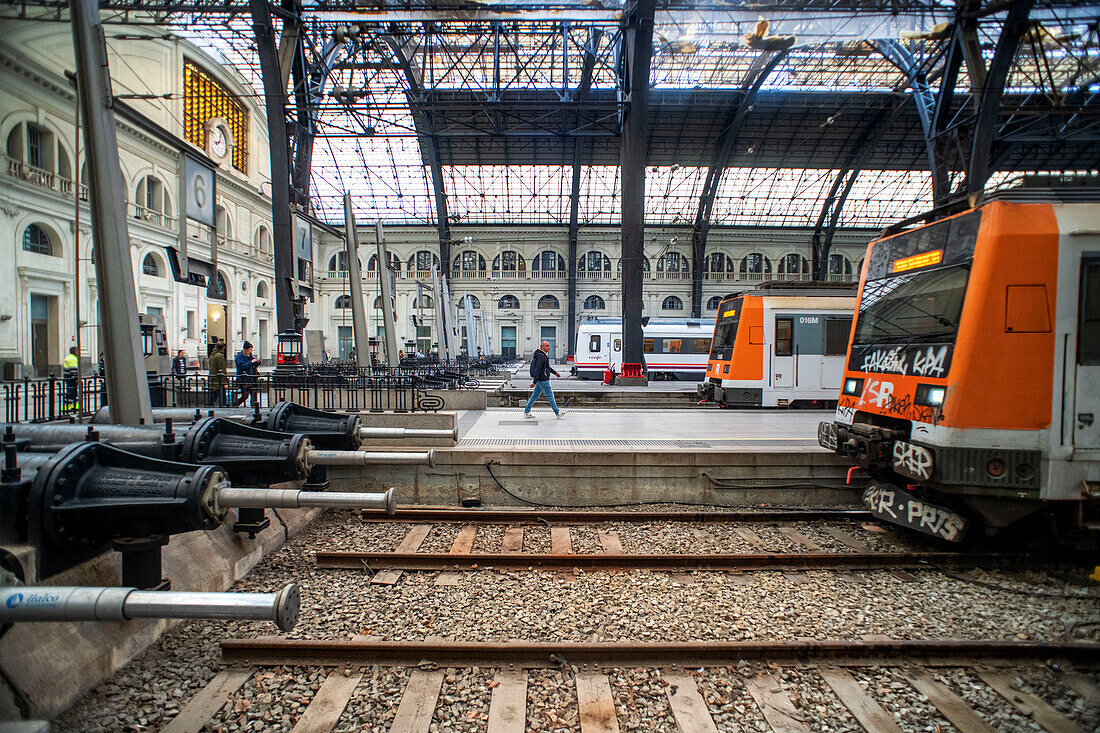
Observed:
{"x":920,"y":361}
{"x":882,"y":394}
{"x":912,"y":461}
{"x":898,"y":506}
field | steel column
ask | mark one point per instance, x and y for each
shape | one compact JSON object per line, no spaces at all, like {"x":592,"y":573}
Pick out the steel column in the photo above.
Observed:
{"x":638,"y":55}
{"x":762,"y":65}
{"x":1016,"y":24}
{"x":127,"y":386}
{"x":386,"y":288}
{"x":594,"y":36}
{"x":428,"y":145}
{"x":279,"y":153}
{"x":355,"y":283}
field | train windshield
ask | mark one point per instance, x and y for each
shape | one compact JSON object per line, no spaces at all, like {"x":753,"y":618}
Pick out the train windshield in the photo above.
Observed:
{"x":913,"y":307}
{"x":729,"y":313}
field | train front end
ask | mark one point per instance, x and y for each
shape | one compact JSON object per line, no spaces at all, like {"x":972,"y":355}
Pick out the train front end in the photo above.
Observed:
{"x":946,"y":399}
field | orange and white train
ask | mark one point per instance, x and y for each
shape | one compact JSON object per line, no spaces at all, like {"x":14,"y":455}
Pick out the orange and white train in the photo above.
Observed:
{"x":972,"y":385}
{"x":780,"y":345}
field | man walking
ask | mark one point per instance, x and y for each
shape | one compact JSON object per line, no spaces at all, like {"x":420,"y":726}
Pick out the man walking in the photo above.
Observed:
{"x":218,"y":381}
{"x":246,"y":375}
{"x":540,"y":374}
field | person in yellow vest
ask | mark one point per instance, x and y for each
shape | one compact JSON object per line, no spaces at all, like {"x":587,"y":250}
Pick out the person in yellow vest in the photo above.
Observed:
{"x":69,"y":376}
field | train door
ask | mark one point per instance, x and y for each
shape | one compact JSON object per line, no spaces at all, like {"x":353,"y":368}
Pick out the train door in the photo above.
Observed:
{"x":1086,"y":408}
{"x":615,"y":352}
{"x":783,"y":353}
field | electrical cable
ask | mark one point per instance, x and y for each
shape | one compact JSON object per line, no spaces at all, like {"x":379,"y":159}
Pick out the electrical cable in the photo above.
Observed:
{"x":534,"y":502}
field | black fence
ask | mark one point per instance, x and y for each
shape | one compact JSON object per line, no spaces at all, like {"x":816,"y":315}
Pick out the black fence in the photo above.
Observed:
{"x":331,"y":386}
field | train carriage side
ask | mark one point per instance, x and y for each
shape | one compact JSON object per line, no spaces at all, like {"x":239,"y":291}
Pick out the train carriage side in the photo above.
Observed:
{"x":675,"y":349}
{"x":598,"y":347}
{"x":778,"y":350}
{"x":973,"y":375}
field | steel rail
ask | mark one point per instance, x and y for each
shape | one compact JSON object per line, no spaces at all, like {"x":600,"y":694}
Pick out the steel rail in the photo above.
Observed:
{"x":343,"y":560}
{"x":281,"y":651}
{"x":596,"y":516}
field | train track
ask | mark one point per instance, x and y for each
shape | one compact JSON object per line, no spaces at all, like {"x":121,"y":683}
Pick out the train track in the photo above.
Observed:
{"x":350,"y":560}
{"x":592,"y":676}
{"x":601,"y":516}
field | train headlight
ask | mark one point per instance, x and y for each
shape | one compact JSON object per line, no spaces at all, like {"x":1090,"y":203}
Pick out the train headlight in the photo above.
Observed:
{"x":930,"y":395}
{"x":995,"y":467}
{"x":853,"y":386}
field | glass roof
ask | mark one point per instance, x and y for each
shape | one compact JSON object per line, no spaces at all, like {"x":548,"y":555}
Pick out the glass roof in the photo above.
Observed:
{"x":368,"y":129}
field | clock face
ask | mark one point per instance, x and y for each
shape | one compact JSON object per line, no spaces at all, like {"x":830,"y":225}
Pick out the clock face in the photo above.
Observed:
{"x":219,"y":145}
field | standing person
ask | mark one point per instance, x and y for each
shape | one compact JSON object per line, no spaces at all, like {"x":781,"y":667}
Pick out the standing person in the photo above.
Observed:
{"x":70,"y":369}
{"x":540,"y":375}
{"x":179,"y":364}
{"x":246,"y":375}
{"x":218,"y":381}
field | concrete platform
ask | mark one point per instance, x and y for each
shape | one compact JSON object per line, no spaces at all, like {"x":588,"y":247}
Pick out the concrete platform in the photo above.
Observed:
{"x":590,"y":393}
{"x":593,"y":457}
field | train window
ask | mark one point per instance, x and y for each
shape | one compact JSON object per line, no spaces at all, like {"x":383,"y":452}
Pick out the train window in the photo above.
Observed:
{"x":699,"y":346}
{"x":836,"y":336}
{"x":1088,"y":332}
{"x":617,"y":344}
{"x":594,"y":343}
{"x":649,"y":346}
{"x":674,"y":346}
{"x":784,"y":339}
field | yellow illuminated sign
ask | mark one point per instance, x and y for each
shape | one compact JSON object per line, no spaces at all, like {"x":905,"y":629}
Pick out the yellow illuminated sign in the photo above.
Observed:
{"x":731,"y":312}
{"x":924,"y":259}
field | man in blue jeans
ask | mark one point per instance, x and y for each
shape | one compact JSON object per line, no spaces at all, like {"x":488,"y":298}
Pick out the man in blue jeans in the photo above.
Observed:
{"x":540,"y":374}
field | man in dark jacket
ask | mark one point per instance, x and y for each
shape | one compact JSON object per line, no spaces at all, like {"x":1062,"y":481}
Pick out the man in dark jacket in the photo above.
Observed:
{"x":179,"y":364}
{"x":540,"y":375}
{"x":218,"y":382}
{"x":246,"y":375}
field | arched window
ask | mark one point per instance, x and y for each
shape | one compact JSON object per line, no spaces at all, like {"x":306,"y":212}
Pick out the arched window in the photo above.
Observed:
{"x":839,"y":265}
{"x":672,"y":303}
{"x":717,"y":263}
{"x":216,"y":287}
{"x":713,"y":303}
{"x":793,"y":264}
{"x":507,"y":302}
{"x":594,"y":262}
{"x":469,"y":261}
{"x":755,"y":264}
{"x":424,"y":301}
{"x":152,"y":196}
{"x":377,"y":303}
{"x":222,"y":222}
{"x":548,"y":261}
{"x":423,"y":261}
{"x":263,"y":240}
{"x":473,"y":302}
{"x":672,"y":262}
{"x":38,"y":148}
{"x":150,"y":266}
{"x":338,"y":262}
{"x":509,"y":261}
{"x":395,"y":263}
{"x":261,"y":289}
{"x":548,"y":302}
{"x":343,"y":302}
{"x":645,"y":265}
{"x":594,"y":303}
{"x":38,"y":239}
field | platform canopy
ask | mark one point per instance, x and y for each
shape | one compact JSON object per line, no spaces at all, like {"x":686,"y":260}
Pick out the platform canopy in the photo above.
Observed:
{"x":488,"y":109}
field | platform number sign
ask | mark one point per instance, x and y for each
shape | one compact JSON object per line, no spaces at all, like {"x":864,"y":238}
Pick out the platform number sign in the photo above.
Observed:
{"x":198,"y":191}
{"x":303,"y":239}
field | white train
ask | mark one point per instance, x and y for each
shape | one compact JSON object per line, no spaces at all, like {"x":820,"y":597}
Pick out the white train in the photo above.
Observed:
{"x":673,"y":348}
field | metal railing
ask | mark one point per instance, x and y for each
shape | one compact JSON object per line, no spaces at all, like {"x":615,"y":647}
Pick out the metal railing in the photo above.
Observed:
{"x":331,"y":386}
{"x":52,"y":398}
{"x":152,"y":216}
